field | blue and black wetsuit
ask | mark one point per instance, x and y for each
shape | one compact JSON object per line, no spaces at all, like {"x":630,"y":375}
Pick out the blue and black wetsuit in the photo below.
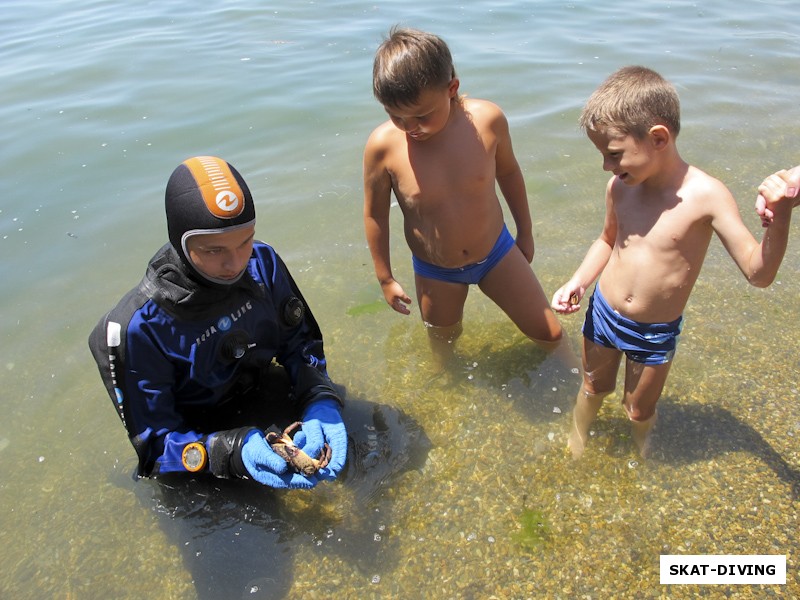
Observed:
{"x":176,"y":354}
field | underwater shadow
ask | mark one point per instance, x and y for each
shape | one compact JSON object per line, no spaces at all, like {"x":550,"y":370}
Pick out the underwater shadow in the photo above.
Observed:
{"x":239,"y":539}
{"x":695,"y":432}
{"x":539,"y":386}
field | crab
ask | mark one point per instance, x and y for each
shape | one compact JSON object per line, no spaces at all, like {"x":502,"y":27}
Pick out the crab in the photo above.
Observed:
{"x":284,"y":446}
{"x":573,"y":299}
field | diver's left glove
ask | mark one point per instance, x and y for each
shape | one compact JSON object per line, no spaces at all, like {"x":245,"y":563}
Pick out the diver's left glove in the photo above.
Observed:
{"x":244,"y":453}
{"x":322,"y":423}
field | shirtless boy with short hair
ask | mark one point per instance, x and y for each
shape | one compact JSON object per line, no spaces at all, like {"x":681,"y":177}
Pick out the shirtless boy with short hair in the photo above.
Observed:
{"x":441,"y":155}
{"x":660,"y":215}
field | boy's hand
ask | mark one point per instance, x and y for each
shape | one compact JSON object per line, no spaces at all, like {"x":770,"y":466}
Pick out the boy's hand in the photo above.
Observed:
{"x":396,"y":297}
{"x":778,"y":186}
{"x":567,"y":299}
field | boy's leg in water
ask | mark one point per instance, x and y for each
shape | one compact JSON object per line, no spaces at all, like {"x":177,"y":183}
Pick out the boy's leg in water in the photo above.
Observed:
{"x":643,"y":387}
{"x":441,"y":305}
{"x":442,"y":341}
{"x":513,"y":286}
{"x":600,"y":366}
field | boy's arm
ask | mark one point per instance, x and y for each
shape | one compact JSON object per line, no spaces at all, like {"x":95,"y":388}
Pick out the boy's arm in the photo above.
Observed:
{"x":512,"y":186}
{"x":377,"y":201}
{"x":759,"y":263}
{"x":567,"y":299}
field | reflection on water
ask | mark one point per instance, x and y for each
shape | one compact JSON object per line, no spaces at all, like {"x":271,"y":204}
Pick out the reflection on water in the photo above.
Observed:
{"x":459,"y":470}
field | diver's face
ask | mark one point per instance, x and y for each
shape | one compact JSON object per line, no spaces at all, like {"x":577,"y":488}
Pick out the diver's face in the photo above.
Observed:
{"x":221,"y":256}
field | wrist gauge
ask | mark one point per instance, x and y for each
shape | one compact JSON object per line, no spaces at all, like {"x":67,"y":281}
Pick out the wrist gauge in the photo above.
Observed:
{"x":194,"y":457}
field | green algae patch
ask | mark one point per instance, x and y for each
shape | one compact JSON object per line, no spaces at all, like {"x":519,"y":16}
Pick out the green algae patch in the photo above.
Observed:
{"x":534,"y":530}
{"x":370,"y":308}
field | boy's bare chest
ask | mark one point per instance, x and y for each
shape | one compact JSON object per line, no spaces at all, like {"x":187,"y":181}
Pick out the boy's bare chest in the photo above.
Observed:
{"x":665,"y":226}
{"x":431,"y":173}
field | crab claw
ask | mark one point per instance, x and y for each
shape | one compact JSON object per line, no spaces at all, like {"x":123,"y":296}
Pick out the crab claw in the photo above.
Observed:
{"x":324,"y":456}
{"x":279,"y":438}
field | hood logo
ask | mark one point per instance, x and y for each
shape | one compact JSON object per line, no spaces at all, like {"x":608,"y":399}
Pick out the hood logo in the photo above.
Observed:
{"x":221,"y":192}
{"x":227,"y":201}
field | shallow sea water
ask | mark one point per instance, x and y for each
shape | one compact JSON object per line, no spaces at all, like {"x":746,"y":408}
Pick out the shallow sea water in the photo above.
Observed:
{"x":472,"y":494}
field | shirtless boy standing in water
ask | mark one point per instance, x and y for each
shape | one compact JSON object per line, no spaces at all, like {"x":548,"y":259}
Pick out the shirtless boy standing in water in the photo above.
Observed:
{"x":441,"y":156}
{"x":660,"y":215}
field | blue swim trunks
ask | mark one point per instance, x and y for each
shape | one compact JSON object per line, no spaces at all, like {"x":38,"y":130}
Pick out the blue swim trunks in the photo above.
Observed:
{"x":468,"y":274}
{"x":645,"y":343}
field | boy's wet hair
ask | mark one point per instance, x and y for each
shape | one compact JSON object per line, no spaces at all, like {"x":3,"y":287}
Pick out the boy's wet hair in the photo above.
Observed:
{"x":631,"y":101}
{"x":408,"y":62}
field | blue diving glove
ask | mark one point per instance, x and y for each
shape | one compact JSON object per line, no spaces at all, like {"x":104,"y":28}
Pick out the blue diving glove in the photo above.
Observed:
{"x":322,"y":422}
{"x":266,"y":467}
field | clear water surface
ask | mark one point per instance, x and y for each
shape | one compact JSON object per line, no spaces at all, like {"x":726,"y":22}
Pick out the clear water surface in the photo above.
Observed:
{"x":472,"y":495}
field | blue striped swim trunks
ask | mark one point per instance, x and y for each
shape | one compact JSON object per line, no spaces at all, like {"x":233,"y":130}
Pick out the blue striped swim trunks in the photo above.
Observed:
{"x":645,"y":343}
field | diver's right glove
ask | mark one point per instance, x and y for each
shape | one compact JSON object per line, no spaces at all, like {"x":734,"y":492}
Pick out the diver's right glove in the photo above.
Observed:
{"x":245,"y":453}
{"x":322,"y":424}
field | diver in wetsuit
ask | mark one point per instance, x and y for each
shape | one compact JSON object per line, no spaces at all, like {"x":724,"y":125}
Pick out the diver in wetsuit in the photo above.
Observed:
{"x":196,"y":358}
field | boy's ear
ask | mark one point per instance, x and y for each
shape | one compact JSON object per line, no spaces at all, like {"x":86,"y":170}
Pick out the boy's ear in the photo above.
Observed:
{"x":452,"y":87}
{"x":660,"y":135}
